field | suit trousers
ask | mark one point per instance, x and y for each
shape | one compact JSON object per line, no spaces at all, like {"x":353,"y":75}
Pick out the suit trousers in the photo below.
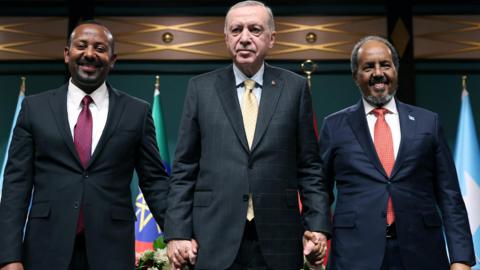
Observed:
{"x":249,"y":256}
{"x":79,"y":257}
{"x":392,"y":259}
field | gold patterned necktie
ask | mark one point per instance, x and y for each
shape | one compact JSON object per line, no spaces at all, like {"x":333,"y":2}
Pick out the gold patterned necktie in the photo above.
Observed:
{"x":249,"y":110}
{"x":249,"y":114}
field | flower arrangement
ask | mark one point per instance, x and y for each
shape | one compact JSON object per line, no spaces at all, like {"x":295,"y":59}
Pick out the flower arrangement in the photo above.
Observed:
{"x":155,"y":259}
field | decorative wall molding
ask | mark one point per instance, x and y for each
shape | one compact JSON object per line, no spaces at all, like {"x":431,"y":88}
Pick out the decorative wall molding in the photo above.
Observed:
{"x":194,"y":38}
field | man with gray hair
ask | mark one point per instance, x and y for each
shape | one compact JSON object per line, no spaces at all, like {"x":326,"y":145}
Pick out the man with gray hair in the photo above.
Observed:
{"x":246,"y":146}
{"x":393,"y":172}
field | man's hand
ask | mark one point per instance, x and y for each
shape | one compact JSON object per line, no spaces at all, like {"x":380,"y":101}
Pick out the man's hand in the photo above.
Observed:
{"x":460,"y":266}
{"x":181,"y":252}
{"x":12,"y":266}
{"x":314,"y":247}
{"x":192,"y":256}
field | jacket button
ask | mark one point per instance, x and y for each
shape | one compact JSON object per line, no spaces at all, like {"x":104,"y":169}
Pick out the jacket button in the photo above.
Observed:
{"x":76,"y":204}
{"x":245,"y":197}
{"x":85,"y":174}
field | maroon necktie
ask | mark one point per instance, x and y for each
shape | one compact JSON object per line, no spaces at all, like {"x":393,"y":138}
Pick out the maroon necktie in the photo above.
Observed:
{"x":82,"y":138}
{"x":383,"y":141}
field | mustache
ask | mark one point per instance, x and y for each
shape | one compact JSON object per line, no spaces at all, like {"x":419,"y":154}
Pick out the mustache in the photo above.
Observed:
{"x":84,"y":61}
{"x":378,"y":79}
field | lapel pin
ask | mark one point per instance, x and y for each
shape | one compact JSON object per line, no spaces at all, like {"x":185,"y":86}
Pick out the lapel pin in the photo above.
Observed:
{"x":274,"y":83}
{"x":411,"y":117}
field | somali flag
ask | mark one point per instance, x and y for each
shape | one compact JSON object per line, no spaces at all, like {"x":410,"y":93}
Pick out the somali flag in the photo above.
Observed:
{"x":146,"y":229}
{"x":21,"y":96}
{"x":467,"y":161}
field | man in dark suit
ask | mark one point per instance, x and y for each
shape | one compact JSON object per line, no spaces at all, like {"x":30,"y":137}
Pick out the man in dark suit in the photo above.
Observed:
{"x":73,"y":153}
{"x":397,"y":189}
{"x":246,"y":146}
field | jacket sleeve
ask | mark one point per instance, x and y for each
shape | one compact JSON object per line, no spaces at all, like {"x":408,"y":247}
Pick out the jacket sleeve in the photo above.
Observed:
{"x":178,"y":224}
{"x":312,"y":184}
{"x":152,"y":176}
{"x":17,"y":189}
{"x":450,"y":202}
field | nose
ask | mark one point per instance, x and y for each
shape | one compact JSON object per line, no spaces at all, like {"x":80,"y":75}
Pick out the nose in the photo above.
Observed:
{"x":245,"y":37}
{"x":89,"y":52}
{"x":377,"y":71}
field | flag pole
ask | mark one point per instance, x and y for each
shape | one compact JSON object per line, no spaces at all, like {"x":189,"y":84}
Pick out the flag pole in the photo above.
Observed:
{"x":308,"y":67}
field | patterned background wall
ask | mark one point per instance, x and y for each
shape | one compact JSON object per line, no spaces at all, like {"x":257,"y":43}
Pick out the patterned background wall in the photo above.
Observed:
{"x":201,"y":38}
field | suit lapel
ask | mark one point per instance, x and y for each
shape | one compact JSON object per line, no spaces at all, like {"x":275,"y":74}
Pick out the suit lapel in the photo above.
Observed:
{"x":272,"y":86}
{"x":407,"y":130}
{"x":58,"y":104}
{"x":358,"y":122}
{"x":226,"y":90}
{"x":115,"y":111}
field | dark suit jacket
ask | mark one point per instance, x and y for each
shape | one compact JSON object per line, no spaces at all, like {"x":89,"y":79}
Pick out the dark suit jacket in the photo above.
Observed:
{"x":422,"y":182}
{"x":42,"y":157}
{"x":214,"y":170}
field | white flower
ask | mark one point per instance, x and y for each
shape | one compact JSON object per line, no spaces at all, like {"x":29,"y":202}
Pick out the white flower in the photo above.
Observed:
{"x":160,"y":256}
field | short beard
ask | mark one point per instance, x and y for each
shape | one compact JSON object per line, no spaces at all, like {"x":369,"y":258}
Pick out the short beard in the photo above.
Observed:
{"x":379,"y":101}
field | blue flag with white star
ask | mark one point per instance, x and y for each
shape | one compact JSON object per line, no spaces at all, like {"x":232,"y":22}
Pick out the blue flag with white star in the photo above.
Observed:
{"x":467,"y":161}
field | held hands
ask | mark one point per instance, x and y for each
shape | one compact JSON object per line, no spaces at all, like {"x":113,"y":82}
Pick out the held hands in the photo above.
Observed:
{"x":314,"y":248}
{"x":181,"y":252}
{"x":12,"y":266}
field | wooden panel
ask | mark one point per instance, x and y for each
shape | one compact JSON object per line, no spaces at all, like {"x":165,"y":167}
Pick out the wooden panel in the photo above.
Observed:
{"x":32,"y":38}
{"x":447,"y":37}
{"x":194,"y":38}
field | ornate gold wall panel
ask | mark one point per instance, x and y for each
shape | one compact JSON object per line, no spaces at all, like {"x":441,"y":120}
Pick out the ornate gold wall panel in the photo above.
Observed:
{"x":447,"y":37}
{"x":187,"y":38}
{"x":32,"y":38}
{"x":196,"y":38}
{"x":201,"y":38}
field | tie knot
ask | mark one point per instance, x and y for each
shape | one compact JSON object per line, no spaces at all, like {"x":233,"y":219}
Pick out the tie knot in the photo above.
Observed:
{"x":86,"y":100}
{"x":249,"y":84}
{"x":379,"y":112}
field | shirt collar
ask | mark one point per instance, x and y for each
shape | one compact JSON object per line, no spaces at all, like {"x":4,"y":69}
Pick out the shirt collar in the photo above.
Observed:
{"x":76,"y":94}
{"x":390,"y":106}
{"x":240,"y":77}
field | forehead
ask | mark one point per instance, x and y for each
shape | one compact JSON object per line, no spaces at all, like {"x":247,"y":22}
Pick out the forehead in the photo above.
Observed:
{"x":373,"y":49}
{"x":90,"y":31}
{"x":248,"y":15}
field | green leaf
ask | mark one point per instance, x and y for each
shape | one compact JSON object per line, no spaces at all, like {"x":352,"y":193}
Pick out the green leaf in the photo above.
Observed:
{"x":159,"y":243}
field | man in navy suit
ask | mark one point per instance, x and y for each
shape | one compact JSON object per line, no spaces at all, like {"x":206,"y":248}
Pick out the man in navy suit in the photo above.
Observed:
{"x":73,"y":153}
{"x":398,"y":197}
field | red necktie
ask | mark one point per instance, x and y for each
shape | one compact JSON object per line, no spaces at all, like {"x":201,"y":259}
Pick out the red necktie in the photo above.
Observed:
{"x":383,"y":142}
{"x":82,"y":138}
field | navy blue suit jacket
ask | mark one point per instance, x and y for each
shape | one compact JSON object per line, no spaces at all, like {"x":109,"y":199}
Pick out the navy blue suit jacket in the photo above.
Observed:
{"x":423,"y":186}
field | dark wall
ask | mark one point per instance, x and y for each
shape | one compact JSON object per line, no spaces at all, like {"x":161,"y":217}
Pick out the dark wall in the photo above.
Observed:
{"x":435,"y":90}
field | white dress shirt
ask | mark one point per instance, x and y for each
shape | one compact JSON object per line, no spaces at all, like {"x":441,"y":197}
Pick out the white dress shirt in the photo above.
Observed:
{"x":392,"y":119}
{"x":98,"y":108}
{"x":240,"y":78}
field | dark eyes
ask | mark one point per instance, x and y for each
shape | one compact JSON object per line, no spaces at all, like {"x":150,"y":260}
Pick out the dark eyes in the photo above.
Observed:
{"x":254,"y":30}
{"x":383,"y":65}
{"x":98,"y":47}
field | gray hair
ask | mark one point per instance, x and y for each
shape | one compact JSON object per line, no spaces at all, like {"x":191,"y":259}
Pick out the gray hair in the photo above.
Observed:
{"x":356,"y":48}
{"x":251,"y":3}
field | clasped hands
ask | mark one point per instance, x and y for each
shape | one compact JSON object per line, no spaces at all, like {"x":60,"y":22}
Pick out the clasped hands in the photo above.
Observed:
{"x":314,"y":249}
{"x":182,"y":252}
